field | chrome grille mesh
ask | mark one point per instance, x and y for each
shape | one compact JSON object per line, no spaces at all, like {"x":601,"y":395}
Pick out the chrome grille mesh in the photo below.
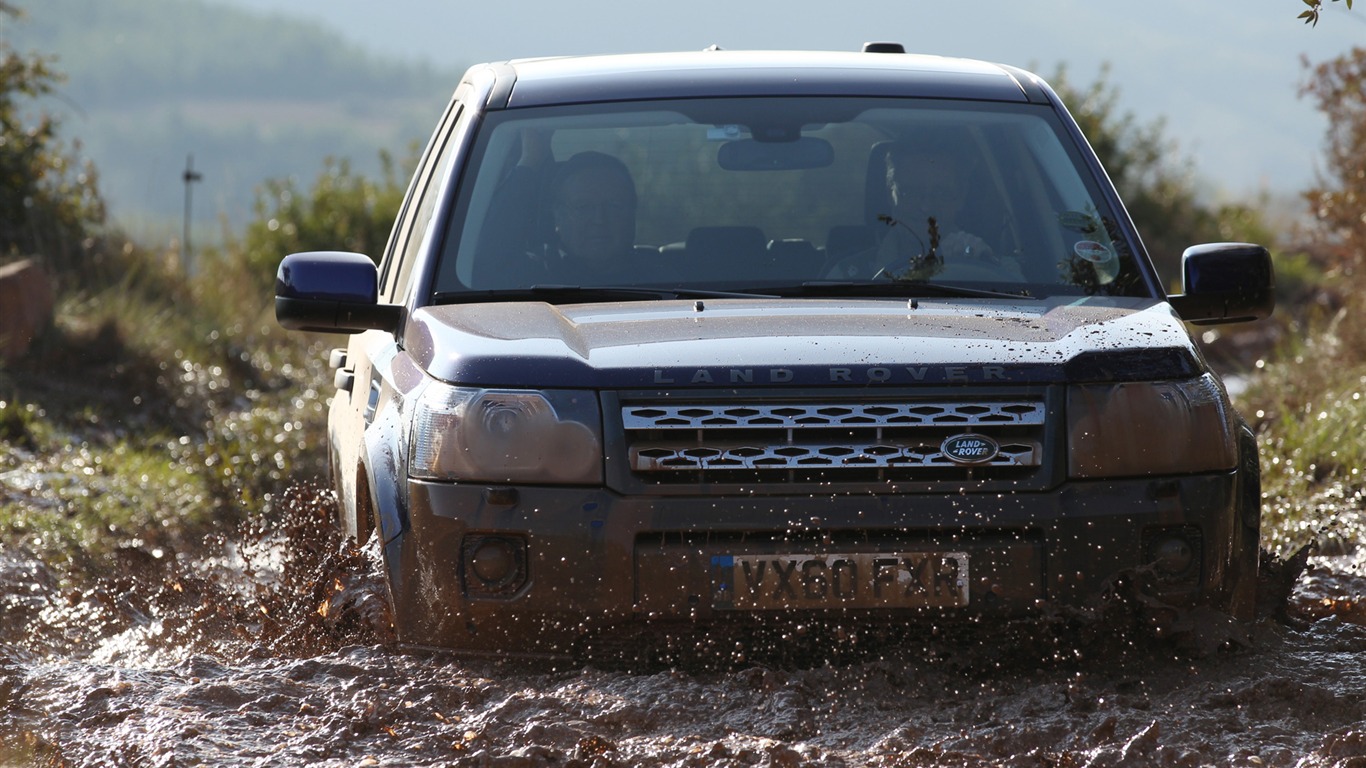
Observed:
{"x":827,"y":437}
{"x":832,"y":415}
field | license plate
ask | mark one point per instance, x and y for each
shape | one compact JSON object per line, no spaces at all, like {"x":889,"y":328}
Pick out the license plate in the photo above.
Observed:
{"x":858,"y":580}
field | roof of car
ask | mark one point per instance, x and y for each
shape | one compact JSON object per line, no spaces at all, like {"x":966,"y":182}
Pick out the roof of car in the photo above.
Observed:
{"x":537,"y":82}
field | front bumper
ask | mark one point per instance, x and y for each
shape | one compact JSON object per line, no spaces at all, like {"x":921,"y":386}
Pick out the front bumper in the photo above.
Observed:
{"x":589,"y":561}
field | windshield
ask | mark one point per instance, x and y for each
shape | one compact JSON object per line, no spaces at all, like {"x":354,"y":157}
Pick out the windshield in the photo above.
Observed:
{"x":768,"y":195}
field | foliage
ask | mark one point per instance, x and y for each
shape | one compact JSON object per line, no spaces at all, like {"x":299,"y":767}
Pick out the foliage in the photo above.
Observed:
{"x":1307,"y":402}
{"x":1339,"y":89}
{"x":1309,"y":399}
{"x":191,"y":409}
{"x":158,"y":408}
{"x":1155,"y":180}
{"x":1311,"y":16}
{"x":48,"y":200}
{"x":342,"y":211}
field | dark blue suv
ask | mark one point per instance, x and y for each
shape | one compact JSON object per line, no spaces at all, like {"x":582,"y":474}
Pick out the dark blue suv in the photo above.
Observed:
{"x":733,"y":341}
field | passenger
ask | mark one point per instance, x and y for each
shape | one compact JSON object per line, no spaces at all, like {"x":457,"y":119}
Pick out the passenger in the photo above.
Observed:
{"x":927,"y":187}
{"x":593,"y":207}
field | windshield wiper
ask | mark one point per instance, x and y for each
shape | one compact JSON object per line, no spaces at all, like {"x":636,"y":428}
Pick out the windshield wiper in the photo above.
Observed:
{"x":896,"y":288}
{"x":565,"y":294}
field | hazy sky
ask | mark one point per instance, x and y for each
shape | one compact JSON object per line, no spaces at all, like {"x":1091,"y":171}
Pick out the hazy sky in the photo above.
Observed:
{"x":1224,"y":74}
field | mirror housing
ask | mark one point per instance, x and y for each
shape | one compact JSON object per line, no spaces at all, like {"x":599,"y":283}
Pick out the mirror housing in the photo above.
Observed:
{"x":1225,"y":283}
{"x":332,"y":292}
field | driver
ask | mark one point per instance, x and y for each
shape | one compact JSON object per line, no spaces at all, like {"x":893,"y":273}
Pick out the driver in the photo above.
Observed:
{"x":593,"y":208}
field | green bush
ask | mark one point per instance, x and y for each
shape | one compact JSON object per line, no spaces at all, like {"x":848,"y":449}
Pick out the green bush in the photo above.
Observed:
{"x":342,"y":212}
{"x":49,"y":201}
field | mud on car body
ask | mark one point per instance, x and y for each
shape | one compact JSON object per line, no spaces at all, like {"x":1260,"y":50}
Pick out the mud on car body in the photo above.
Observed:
{"x":877,"y":345}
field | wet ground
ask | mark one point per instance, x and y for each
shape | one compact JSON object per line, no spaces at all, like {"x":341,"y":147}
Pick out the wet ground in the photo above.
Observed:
{"x":271,"y":648}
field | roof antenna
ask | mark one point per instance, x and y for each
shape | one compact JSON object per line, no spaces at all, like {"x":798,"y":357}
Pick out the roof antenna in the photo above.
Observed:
{"x":884,"y":48}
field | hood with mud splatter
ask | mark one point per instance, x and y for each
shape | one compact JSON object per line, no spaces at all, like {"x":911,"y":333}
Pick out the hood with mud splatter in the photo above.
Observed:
{"x":773,"y":342}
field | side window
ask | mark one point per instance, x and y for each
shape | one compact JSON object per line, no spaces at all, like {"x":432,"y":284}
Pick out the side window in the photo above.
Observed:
{"x":418,"y":205}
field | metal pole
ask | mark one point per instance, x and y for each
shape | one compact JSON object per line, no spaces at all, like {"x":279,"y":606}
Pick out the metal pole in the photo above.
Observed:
{"x":190,"y":176}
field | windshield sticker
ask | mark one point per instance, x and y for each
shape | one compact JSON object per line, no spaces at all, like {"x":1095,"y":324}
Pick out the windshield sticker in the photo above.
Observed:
{"x":1096,"y":253}
{"x":1103,"y":260}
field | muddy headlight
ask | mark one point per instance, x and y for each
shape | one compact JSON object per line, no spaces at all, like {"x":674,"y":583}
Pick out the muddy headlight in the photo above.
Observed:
{"x":506,"y":436}
{"x":1127,"y":429}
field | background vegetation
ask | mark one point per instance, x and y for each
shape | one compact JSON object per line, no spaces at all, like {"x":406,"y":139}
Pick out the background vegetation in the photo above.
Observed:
{"x":159,"y":408}
{"x":1309,"y":398}
{"x":55,"y":193}
{"x":1155,"y":179}
{"x":163,"y":406}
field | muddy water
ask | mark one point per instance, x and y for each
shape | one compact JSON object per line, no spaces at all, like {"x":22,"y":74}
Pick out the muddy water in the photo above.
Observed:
{"x":271,"y":648}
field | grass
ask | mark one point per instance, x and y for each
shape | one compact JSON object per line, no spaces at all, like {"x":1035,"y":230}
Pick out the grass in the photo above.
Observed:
{"x":156,"y":411}
{"x":1308,"y":402}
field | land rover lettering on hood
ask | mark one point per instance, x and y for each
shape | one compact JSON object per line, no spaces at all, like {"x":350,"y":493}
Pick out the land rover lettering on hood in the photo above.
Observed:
{"x":719,"y":342}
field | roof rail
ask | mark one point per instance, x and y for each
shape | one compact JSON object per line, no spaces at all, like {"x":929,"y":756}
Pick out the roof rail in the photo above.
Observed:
{"x":884,"y":48}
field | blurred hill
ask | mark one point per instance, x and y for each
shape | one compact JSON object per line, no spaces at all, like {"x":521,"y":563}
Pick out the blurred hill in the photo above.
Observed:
{"x":251,"y":95}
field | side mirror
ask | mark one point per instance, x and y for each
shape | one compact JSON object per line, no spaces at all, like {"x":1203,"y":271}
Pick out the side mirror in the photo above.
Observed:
{"x":1225,"y":283}
{"x":332,"y":292}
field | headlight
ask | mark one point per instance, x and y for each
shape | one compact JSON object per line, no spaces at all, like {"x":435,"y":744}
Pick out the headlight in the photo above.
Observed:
{"x":506,"y":436}
{"x":1149,"y":428}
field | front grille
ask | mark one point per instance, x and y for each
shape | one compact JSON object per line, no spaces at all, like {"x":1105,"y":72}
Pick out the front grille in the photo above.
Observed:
{"x":829,"y":441}
{"x":817,"y":415}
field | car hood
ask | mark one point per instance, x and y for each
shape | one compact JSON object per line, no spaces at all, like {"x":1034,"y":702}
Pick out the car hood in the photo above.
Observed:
{"x":776,"y":342}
